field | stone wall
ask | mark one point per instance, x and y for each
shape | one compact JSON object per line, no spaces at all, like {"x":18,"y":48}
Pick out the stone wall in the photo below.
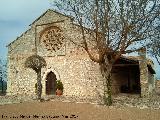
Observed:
{"x":146,"y":79}
{"x":157,"y":83}
{"x":119,"y":77}
{"x":81,"y":77}
{"x":18,"y":76}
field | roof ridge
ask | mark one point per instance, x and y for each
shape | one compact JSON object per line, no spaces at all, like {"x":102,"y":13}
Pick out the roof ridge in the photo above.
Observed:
{"x":19,"y":37}
{"x":55,"y":11}
{"x":37,"y":20}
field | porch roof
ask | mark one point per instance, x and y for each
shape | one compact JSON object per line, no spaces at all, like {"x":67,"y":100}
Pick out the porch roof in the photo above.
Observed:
{"x":135,"y":61}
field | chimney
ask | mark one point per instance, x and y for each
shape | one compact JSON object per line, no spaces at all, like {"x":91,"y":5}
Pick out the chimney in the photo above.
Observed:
{"x":142,"y":53}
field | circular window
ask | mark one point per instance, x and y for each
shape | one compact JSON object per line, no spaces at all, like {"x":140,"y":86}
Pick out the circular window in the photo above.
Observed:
{"x":52,"y":38}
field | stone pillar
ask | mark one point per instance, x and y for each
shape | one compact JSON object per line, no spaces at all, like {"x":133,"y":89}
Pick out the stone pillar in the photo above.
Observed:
{"x":8,"y":87}
{"x":9,"y":82}
{"x":143,"y":73}
{"x":43,"y":87}
{"x":144,"y":78}
{"x":151,"y":83}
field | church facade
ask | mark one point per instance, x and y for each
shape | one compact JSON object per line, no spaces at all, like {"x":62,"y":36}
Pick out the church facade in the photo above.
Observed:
{"x":51,"y":36}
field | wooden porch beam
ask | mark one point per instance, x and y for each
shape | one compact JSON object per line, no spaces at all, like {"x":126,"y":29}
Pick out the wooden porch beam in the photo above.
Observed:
{"x":123,"y":65}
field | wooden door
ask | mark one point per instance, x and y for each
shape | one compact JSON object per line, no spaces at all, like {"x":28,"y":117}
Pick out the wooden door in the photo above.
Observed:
{"x":51,"y":83}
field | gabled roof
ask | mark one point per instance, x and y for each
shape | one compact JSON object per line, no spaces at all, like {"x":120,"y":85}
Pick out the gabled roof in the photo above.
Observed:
{"x":50,"y":10}
{"x":136,"y":59}
{"x":18,"y":37}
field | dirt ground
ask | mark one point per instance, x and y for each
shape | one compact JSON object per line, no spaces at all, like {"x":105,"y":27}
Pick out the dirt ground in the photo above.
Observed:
{"x":52,"y":110}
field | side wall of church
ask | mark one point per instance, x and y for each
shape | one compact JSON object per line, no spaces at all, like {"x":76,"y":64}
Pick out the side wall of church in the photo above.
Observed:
{"x":18,"y":76}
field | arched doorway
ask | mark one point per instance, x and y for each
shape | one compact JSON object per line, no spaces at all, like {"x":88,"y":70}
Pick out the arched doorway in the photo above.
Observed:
{"x":51,"y":83}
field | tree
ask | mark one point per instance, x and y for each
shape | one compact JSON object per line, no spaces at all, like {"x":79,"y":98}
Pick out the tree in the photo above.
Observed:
{"x":116,"y":27}
{"x":36,"y":62}
{"x":3,"y":75}
{"x":155,"y":50}
{"x":154,"y":47}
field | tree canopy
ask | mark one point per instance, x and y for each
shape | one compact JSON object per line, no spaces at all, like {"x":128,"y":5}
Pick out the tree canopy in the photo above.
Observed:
{"x":154,"y":46}
{"x":116,"y":27}
{"x":35,"y":62}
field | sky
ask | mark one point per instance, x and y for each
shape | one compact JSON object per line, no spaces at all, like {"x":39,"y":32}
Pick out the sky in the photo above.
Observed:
{"x":15,"y":18}
{"x":17,"y":15}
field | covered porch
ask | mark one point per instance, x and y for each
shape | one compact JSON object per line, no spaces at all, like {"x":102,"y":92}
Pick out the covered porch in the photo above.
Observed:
{"x":133,"y":75}
{"x":126,"y":77}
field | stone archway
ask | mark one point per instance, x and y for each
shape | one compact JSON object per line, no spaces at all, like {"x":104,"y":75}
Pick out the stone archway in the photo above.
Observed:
{"x":50,"y":83}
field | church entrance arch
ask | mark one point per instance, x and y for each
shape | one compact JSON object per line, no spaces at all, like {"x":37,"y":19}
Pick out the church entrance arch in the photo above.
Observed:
{"x":51,"y":83}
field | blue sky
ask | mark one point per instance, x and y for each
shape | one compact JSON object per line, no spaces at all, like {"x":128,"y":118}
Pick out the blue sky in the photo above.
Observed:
{"x":17,"y":15}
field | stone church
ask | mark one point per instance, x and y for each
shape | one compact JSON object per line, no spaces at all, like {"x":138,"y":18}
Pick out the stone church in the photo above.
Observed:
{"x":50,"y":36}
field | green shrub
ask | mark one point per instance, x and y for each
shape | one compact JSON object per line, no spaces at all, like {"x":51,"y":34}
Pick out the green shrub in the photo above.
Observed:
{"x":59,"y":85}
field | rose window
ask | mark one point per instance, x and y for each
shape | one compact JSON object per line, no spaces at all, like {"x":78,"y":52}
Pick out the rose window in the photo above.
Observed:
{"x":52,"y":38}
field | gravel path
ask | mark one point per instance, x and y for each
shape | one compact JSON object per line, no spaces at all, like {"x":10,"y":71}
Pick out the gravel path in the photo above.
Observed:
{"x":54,"y":110}
{"x":119,"y":101}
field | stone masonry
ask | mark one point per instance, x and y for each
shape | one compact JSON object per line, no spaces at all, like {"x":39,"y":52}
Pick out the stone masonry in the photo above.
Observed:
{"x":80,"y":76}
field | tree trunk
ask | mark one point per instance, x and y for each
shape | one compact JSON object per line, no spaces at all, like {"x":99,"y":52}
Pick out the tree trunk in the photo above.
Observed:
{"x":106,"y":73}
{"x":1,"y":84}
{"x":2,"y":87}
{"x":39,"y":85}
